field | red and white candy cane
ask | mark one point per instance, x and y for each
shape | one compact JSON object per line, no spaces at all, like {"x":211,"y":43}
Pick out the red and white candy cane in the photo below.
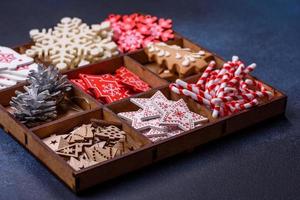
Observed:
{"x":226,"y":90}
{"x":196,"y":97}
{"x":205,"y":74}
{"x":193,"y":88}
{"x":188,"y":86}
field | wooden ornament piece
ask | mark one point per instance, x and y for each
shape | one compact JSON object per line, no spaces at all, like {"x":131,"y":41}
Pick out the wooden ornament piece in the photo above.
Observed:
{"x":53,"y":142}
{"x":110,"y":133}
{"x":160,"y":118}
{"x":70,"y":150}
{"x":72,"y":43}
{"x":177,"y":59}
{"x":98,"y":153}
{"x":92,"y":143}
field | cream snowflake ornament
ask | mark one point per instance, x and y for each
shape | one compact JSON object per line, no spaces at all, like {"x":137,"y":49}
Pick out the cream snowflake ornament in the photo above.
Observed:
{"x":72,"y":43}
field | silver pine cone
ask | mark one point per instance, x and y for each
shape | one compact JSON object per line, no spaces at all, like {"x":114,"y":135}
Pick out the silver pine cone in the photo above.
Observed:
{"x":38,"y":103}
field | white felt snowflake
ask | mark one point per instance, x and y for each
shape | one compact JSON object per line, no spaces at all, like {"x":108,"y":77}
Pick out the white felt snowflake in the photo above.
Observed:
{"x":72,"y":43}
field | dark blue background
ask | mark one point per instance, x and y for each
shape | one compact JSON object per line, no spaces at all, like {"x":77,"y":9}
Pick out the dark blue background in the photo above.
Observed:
{"x":258,"y":163}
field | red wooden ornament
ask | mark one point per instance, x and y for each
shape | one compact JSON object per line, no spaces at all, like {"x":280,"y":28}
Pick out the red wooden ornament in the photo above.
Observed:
{"x":105,"y":86}
{"x":130,"y":79}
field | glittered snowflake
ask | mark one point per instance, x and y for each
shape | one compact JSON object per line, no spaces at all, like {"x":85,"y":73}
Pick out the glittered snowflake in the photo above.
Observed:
{"x":72,"y":43}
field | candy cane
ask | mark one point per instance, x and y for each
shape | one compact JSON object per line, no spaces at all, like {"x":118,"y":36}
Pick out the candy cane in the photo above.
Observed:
{"x":173,"y":87}
{"x":248,"y":105}
{"x":191,"y":87}
{"x":216,"y":111}
{"x":196,"y":97}
{"x":226,"y":90}
{"x":206,"y":73}
{"x":250,"y":68}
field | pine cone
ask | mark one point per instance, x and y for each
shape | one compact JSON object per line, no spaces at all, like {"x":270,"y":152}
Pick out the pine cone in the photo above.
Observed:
{"x":50,"y":79}
{"x":39,"y":101}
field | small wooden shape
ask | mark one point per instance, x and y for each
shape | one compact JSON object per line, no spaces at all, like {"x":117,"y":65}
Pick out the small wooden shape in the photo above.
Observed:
{"x":73,"y":43}
{"x":70,"y":150}
{"x":177,"y":59}
{"x":110,"y":133}
{"x":120,"y":145}
{"x":98,"y":153}
{"x":76,"y":164}
{"x":62,"y":142}
{"x":53,"y":142}
{"x":80,"y":134}
{"x":82,"y":162}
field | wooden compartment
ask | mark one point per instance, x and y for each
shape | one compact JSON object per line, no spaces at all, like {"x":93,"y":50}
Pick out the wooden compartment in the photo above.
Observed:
{"x":110,"y":66}
{"x":138,"y":63}
{"x":87,"y":177}
{"x":181,"y":142}
{"x":75,"y":103}
{"x":264,"y":110}
{"x":267,"y":108}
{"x":142,"y":57}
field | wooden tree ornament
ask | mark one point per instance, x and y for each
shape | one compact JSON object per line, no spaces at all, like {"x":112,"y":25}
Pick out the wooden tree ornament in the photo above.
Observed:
{"x":92,"y":143}
{"x":177,"y":59}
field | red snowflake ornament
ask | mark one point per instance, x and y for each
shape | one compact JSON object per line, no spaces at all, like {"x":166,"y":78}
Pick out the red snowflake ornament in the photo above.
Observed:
{"x":148,"y":19}
{"x":117,"y":28}
{"x":167,"y":35}
{"x":165,"y":23}
{"x":129,"y":18}
{"x":130,"y":41}
{"x":135,"y":31}
{"x":156,"y":31}
{"x":143,"y":29}
{"x":114,"y":18}
{"x":127,"y":26}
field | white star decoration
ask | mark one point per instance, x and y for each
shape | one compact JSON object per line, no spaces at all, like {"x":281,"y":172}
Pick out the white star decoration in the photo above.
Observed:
{"x":180,"y":115}
{"x":160,"y":118}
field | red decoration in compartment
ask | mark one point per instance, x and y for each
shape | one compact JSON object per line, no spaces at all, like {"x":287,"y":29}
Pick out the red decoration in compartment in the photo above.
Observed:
{"x":130,"y":40}
{"x":135,"y":31}
{"x":108,"y":88}
{"x":130,"y":79}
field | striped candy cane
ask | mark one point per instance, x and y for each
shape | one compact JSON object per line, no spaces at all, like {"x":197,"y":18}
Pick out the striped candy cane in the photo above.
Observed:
{"x":205,"y":74}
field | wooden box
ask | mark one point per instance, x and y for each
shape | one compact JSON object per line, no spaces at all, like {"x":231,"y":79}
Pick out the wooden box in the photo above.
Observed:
{"x":149,"y":152}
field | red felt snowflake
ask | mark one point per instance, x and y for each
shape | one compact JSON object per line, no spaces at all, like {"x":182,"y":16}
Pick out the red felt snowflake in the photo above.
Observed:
{"x":130,"y":41}
{"x":136,"y":27}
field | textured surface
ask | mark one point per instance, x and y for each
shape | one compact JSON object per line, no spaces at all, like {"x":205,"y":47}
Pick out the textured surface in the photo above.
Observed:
{"x":259,"y":163}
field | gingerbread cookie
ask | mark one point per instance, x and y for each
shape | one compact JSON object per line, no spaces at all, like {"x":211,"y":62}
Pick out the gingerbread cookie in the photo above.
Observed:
{"x":177,"y":60}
